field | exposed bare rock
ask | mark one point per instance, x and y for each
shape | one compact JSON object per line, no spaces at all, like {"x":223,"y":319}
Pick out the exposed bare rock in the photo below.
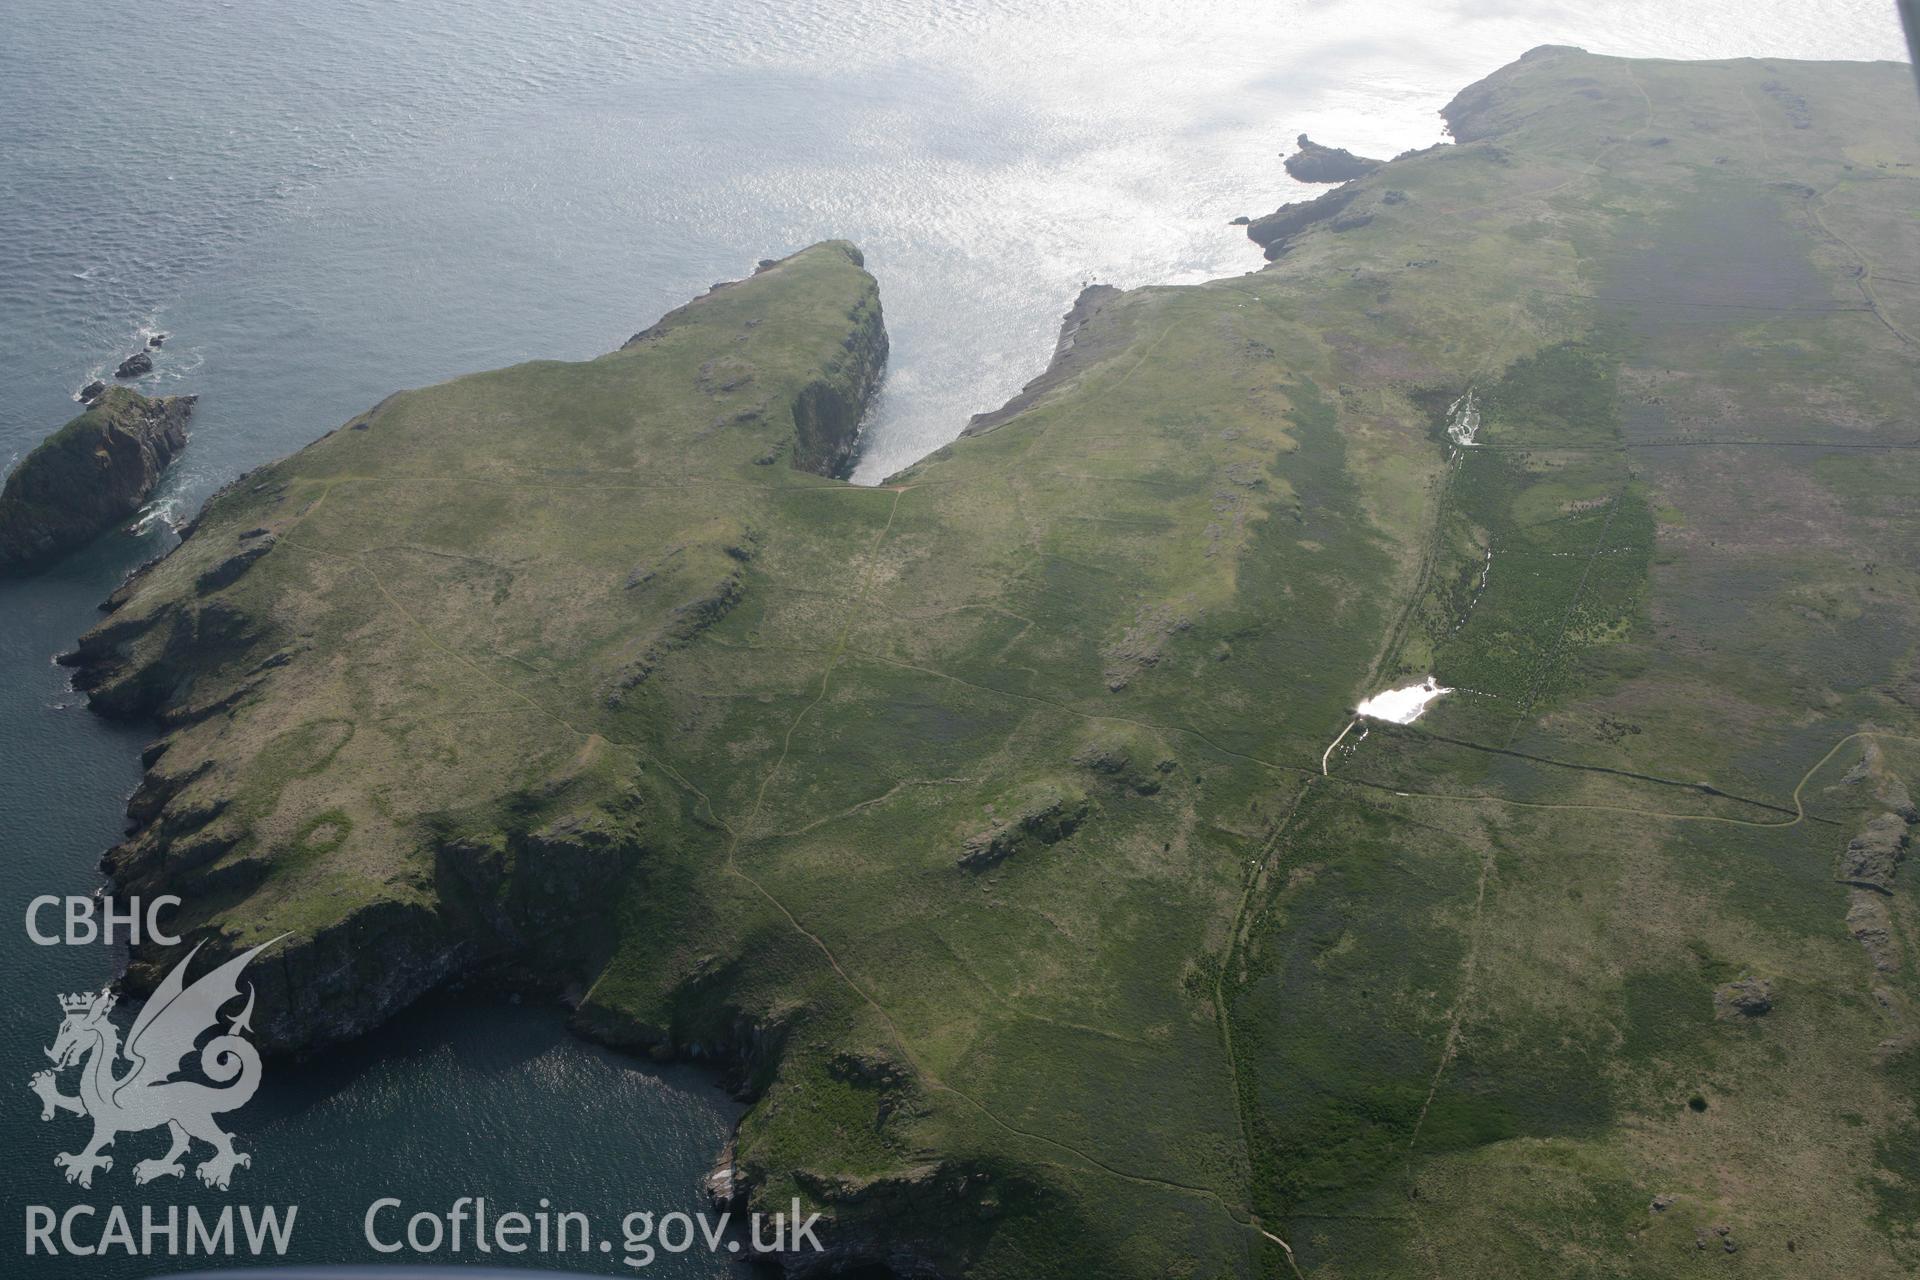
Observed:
{"x":1893,"y":793}
{"x":1115,"y":762}
{"x":1045,"y":822}
{"x":228,"y":571}
{"x":1749,"y":997}
{"x":1871,"y":924}
{"x":89,"y":475}
{"x":1142,"y":645}
{"x":684,"y":622}
{"x":722,"y":1183}
{"x":1873,"y":856}
{"x":1276,"y":231}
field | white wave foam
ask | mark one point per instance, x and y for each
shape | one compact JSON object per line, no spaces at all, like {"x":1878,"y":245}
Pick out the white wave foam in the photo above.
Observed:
{"x":162,"y":510}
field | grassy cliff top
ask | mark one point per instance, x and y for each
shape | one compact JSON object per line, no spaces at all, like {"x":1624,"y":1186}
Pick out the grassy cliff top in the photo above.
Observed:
{"x":992,"y":821}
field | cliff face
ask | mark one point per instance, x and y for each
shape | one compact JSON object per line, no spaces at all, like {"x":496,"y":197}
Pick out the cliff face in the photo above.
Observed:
{"x":88,"y":476}
{"x":828,"y":410}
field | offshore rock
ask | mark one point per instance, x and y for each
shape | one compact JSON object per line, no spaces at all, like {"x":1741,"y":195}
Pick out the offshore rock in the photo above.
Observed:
{"x":88,"y":476}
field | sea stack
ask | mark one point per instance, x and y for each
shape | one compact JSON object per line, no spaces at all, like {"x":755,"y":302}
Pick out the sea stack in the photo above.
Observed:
{"x":89,"y":475}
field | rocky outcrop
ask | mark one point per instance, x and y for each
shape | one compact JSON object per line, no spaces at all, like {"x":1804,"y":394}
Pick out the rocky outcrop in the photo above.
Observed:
{"x":1276,"y":232}
{"x":1748,"y":997}
{"x":1870,"y":924}
{"x":1046,"y":821}
{"x":828,"y":410}
{"x":1872,"y":857}
{"x":722,"y":1183}
{"x":228,"y":571}
{"x":1141,"y":646}
{"x":1315,"y":163}
{"x":135,"y":365}
{"x":684,"y":623}
{"x":88,"y":476}
{"x":1114,"y":762}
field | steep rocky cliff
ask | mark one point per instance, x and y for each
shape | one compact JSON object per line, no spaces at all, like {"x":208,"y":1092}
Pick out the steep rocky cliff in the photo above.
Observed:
{"x":89,"y":475}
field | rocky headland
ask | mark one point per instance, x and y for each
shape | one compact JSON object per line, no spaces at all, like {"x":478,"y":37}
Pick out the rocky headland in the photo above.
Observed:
{"x":88,"y":476}
{"x":1316,"y":163}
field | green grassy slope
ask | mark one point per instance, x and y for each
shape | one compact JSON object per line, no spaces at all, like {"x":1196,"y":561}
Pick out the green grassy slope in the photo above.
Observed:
{"x":984,"y":820}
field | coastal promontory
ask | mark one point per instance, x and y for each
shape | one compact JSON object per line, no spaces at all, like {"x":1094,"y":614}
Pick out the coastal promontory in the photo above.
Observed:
{"x":1315,"y":162}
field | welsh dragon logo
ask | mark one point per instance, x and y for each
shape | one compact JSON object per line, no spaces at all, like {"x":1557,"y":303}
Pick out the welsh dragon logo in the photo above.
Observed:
{"x":145,"y":1096}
